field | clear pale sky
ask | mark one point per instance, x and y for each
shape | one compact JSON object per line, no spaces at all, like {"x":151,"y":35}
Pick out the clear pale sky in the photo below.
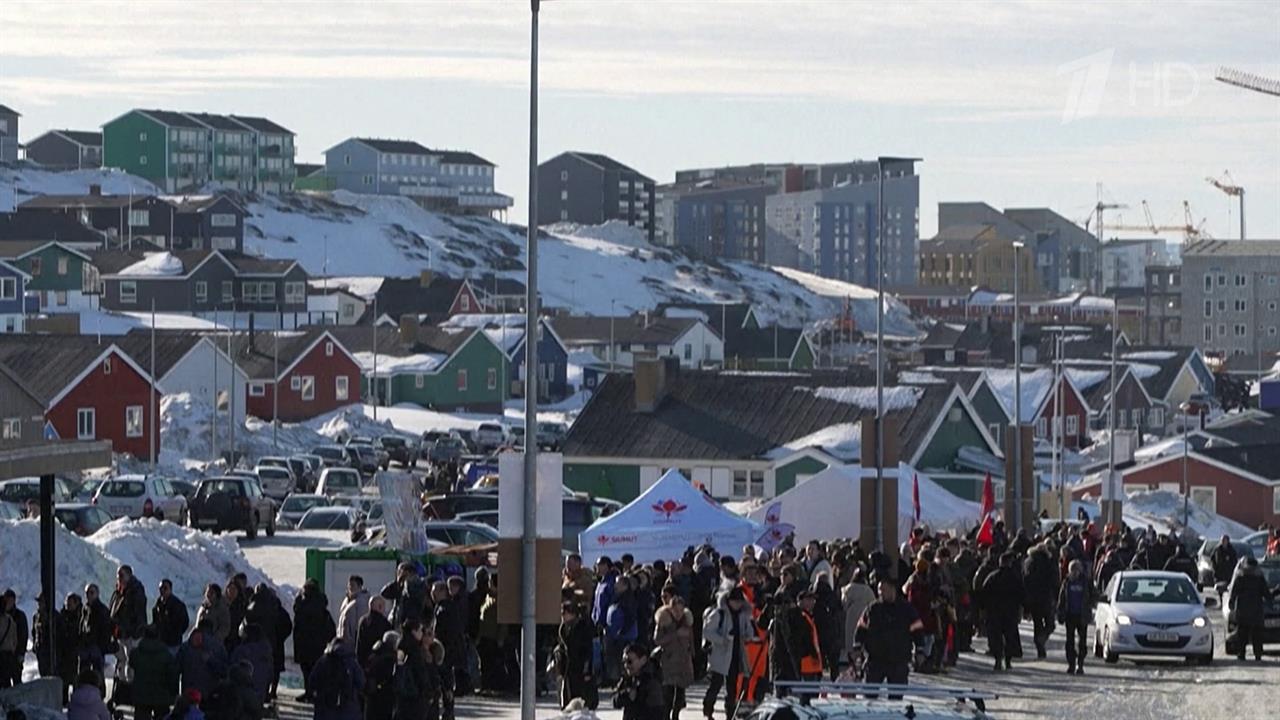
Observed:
{"x":987,"y":93}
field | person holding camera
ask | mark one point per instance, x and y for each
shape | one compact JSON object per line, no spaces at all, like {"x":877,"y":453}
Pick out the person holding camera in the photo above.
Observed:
{"x":639,"y":694}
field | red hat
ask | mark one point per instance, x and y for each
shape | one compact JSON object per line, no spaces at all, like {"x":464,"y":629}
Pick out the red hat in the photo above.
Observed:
{"x":193,"y":696}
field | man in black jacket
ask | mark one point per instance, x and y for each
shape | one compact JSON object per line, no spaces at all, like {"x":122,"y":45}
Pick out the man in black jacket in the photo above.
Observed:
{"x":371,"y":629}
{"x":1224,"y":559}
{"x":887,"y":631}
{"x":639,"y":693}
{"x":96,"y":631}
{"x":1249,"y":593}
{"x":1001,"y":592}
{"x":1040,"y":575}
{"x":19,"y":630}
{"x":573,"y":658}
{"x":128,"y":609}
{"x":170,"y":616}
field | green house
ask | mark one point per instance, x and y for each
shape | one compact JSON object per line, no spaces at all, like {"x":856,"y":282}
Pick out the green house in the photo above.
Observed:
{"x":63,"y":277}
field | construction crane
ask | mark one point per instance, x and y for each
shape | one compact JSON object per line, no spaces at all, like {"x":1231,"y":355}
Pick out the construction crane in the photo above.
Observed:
{"x":1248,"y":81}
{"x":1228,"y":185}
{"x":1190,"y":231}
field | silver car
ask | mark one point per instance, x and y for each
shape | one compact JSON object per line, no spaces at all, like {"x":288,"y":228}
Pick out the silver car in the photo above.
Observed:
{"x":136,"y":496}
{"x":297,"y":505}
{"x":277,"y":482}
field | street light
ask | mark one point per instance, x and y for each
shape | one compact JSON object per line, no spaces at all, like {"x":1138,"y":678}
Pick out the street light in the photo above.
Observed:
{"x":528,"y":563}
{"x":1017,"y":383}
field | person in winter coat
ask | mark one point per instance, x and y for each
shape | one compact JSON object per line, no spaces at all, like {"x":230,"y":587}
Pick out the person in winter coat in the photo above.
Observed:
{"x":379,"y":685}
{"x":1040,"y":577}
{"x":412,"y":682}
{"x":202,"y":662}
{"x":621,"y":629}
{"x":854,"y":598}
{"x":639,"y":693}
{"x":573,"y":657}
{"x":1224,"y":559}
{"x":828,"y":613}
{"x":41,"y":640}
{"x":273,"y":622}
{"x":237,"y":601}
{"x":128,"y":607}
{"x":95,"y":632}
{"x":1001,"y":592}
{"x":1075,"y":610}
{"x":885,"y":635}
{"x":214,"y":615}
{"x":69,"y":641}
{"x":433,"y":654}
{"x":673,"y":635}
{"x":408,"y":596}
{"x":155,"y":676}
{"x":313,"y":629}
{"x":86,"y":699}
{"x":1249,"y":593}
{"x":170,"y":617}
{"x":355,"y":605}
{"x":726,"y":628}
{"x":1182,"y":562}
{"x":371,"y":628}
{"x":235,"y":698}
{"x":336,"y":681}
{"x":919,"y":593}
{"x":14,"y":634}
{"x":187,"y":706}
{"x":604,"y":590}
{"x":254,"y":649}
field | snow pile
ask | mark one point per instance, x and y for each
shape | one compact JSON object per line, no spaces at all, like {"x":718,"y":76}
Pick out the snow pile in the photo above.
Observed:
{"x":680,"y":312}
{"x":479,"y":320}
{"x":186,"y":436}
{"x":506,"y":338}
{"x":79,"y":563}
{"x":842,"y":441}
{"x":1035,"y":386}
{"x":895,"y":398}
{"x":156,"y":264}
{"x":102,"y":322}
{"x":30,"y":180}
{"x":392,"y":364}
{"x":912,"y":377}
{"x":361,"y":286}
{"x":1150,"y":355}
{"x":1165,"y":508}
{"x":1084,"y":380}
{"x":612,"y":231}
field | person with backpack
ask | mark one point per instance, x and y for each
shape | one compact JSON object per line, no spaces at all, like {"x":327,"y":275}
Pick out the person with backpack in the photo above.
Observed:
{"x":379,"y":681}
{"x":314,"y":628}
{"x":336,"y":681}
{"x":155,"y":676}
{"x":410,"y":682}
{"x":725,"y":630}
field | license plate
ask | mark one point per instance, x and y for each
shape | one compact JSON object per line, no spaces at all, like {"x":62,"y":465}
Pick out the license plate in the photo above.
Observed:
{"x":1272,"y":622}
{"x":207,"y":521}
{"x":1162,"y":637}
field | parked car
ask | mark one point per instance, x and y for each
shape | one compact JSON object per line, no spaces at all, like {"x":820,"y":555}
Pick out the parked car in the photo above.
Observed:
{"x":1258,"y":541}
{"x":516,"y":435}
{"x":399,"y":449}
{"x":334,"y":456}
{"x":9,"y":511}
{"x":450,"y":505}
{"x":136,"y":496}
{"x":1204,"y":560}
{"x":297,"y":505}
{"x":185,"y":488}
{"x":232,"y":503}
{"x":1270,"y":569}
{"x":18,"y":491}
{"x":456,"y":532}
{"x":446,"y":450}
{"x":490,"y":436}
{"x":551,"y":435}
{"x":329,"y":518}
{"x":366,"y":458}
{"x":1152,"y":612}
{"x":339,"y":481}
{"x":360,"y":443}
{"x":82,"y":519}
{"x":277,"y":482}
{"x":87,"y":490}
{"x":363,"y":503}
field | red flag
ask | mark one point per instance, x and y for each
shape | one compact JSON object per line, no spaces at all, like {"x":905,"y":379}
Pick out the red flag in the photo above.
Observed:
{"x":915,"y":495}
{"x":986,"y":535}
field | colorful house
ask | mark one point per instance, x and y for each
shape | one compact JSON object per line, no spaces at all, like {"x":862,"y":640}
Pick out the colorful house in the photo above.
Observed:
{"x":993,"y":397}
{"x":15,"y":303}
{"x":62,"y":277}
{"x":310,"y":369}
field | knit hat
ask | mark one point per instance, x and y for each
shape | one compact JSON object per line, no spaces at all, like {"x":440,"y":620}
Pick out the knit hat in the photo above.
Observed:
{"x":193,"y":696}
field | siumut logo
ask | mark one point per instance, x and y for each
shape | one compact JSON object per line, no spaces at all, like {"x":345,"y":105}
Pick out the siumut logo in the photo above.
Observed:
{"x":669,"y":509}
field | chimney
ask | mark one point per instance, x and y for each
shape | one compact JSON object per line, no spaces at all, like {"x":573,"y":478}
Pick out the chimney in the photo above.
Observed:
{"x":95,"y":189}
{"x":409,"y":328}
{"x":650,"y":376}
{"x":425,"y":277}
{"x":252,"y":334}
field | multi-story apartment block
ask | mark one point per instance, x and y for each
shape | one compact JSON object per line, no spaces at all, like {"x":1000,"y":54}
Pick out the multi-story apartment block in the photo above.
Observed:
{"x":832,"y":231}
{"x":720,"y":219}
{"x":69,"y":149}
{"x":1162,"y":301}
{"x":787,"y":177}
{"x":590,"y":188}
{"x":445,"y":180}
{"x":1066,"y":256}
{"x":1124,"y":262}
{"x":968,"y":256}
{"x":1231,"y":296}
{"x":9,"y":134}
{"x":181,"y":151}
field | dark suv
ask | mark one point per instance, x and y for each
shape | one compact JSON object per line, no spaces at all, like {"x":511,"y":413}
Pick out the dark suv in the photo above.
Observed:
{"x":398,"y":449}
{"x":231,"y":504}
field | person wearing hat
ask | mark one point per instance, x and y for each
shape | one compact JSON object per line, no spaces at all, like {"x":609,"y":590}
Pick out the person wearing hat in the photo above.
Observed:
{"x":726,"y":628}
{"x":1248,"y":601}
{"x":885,"y":635}
{"x":187,"y":706}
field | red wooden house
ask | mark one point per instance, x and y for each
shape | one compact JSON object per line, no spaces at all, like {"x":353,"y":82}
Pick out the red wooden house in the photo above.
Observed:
{"x":313,"y":371}
{"x":90,"y":391}
{"x":993,"y":396}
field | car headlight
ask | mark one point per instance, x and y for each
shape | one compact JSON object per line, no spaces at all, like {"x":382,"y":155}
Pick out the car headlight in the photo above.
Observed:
{"x":1124,"y":620}
{"x":1200,"y":622}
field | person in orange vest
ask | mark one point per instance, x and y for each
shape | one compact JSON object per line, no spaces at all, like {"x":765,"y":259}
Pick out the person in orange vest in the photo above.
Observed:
{"x":809,"y":648}
{"x":752,"y":586}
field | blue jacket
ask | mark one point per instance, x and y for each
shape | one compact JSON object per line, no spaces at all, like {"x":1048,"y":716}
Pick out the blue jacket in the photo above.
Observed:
{"x":337,"y":670}
{"x":603,"y":599}
{"x":621,"y":623}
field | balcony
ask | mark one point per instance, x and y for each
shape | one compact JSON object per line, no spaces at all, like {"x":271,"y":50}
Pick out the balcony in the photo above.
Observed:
{"x":494,"y":201}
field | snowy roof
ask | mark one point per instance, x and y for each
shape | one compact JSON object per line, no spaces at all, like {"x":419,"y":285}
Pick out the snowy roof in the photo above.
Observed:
{"x":895,"y":398}
{"x":155,"y":264}
{"x":1035,"y":387}
{"x":842,"y":441}
{"x":1150,"y":355}
{"x":396,"y":364}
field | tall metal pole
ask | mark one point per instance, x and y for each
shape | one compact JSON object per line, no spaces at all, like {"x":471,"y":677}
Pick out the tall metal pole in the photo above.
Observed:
{"x":528,"y":564}
{"x":213,"y":425}
{"x":275,"y":373}
{"x":1111,"y":416}
{"x":152,"y":430}
{"x":1056,"y":423}
{"x":231,"y":390}
{"x":1017,"y":386}
{"x":1062,"y":428}
{"x":1186,"y":488}
{"x":879,"y":354}
{"x":373,"y":378}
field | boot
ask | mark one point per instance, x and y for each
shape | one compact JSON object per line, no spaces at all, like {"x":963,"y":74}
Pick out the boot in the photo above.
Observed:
{"x":997,"y":667}
{"x":1008,"y":664}
{"x":1080,"y":668}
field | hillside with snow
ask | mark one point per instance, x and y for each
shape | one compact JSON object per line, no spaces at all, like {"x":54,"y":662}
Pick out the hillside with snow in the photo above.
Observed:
{"x":593,"y":270}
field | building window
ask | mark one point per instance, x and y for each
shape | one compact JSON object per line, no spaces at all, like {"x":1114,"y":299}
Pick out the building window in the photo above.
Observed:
{"x":62,"y":266}
{"x":739,"y":483}
{"x":994,"y":430}
{"x":1275,"y":500}
{"x":12,"y":429}
{"x":462,"y":379}
{"x":341,"y":387}
{"x":308,"y":387}
{"x":128,"y":291}
{"x":257,"y":389}
{"x":133,"y":421}
{"x":36,"y":266}
{"x":142,"y":159}
{"x":1208,"y":283}
{"x":222,"y":220}
{"x":8,"y":288}
{"x":1208,"y":308}
{"x":464,"y":302}
{"x":60,"y":298}
{"x":1241,"y":330}
{"x":1208,"y":333}
{"x":757,"y":484}
{"x":228,"y":291}
{"x":295,"y":293}
{"x":139,"y":217}
{"x":295,"y":382}
{"x":419,"y":381}
{"x":328,"y":349}
{"x":564,"y":195}
{"x":106,"y":366}
{"x":493,"y":379}
{"x":688,"y":351}
{"x":1042,"y":427}
{"x":1073,"y":425}
{"x":202,"y":291}
{"x":86,"y":424}
{"x":142,"y":137}
{"x":564,"y":176}
{"x":1157,"y":417}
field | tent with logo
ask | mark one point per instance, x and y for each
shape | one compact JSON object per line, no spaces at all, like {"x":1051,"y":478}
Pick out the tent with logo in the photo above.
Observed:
{"x":667,"y":518}
{"x":828,"y":504}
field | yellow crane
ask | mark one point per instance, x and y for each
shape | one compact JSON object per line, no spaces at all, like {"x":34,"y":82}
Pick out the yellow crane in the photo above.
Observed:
{"x":1228,"y":185}
{"x":1190,"y":231}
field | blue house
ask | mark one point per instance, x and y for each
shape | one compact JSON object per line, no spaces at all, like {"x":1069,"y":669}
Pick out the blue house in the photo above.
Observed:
{"x":553,"y":363}
{"x":15,"y":304}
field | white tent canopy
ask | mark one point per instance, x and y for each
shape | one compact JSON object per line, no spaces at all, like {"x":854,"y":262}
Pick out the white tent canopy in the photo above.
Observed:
{"x":667,"y":518}
{"x":828,"y":504}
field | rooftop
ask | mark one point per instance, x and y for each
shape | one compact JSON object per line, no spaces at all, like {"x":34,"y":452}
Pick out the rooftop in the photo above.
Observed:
{"x":1232,"y":248}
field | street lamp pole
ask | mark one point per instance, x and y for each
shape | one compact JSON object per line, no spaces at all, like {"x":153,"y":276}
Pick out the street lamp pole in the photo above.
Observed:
{"x":1017,"y":384}
{"x":528,"y":545}
{"x":1186,"y":487}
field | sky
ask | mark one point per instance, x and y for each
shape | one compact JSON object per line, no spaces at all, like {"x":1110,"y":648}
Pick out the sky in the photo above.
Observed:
{"x":1015,"y":104}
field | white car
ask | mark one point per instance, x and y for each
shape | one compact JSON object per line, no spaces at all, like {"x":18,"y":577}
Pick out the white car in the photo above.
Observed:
{"x":1151,"y":612}
{"x":277,"y":482}
{"x":339,"y":481}
{"x":490,"y":436}
{"x":329,"y":518}
{"x":136,"y":496}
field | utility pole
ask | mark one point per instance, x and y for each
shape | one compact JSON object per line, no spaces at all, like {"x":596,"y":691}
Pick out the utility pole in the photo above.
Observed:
{"x":373,"y":378}
{"x":1113,"y":493}
{"x":231,"y":391}
{"x":275,"y":372}
{"x":213,"y":424}
{"x":1017,"y":383}
{"x":1059,"y":445}
{"x":528,"y":543}
{"x":152,"y":430}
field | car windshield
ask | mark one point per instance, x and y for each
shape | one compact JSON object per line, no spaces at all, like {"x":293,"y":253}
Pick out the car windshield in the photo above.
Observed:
{"x":1171,"y":591}
{"x":343,"y":479}
{"x":1271,"y":571}
{"x":325,"y":521}
{"x":273,"y":472}
{"x":123,"y":488}
{"x":273,"y":462}
{"x":328,"y":452}
{"x":301,"y":504}
{"x":216,"y":487}
{"x":393,"y":442}
{"x":17,"y":492}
